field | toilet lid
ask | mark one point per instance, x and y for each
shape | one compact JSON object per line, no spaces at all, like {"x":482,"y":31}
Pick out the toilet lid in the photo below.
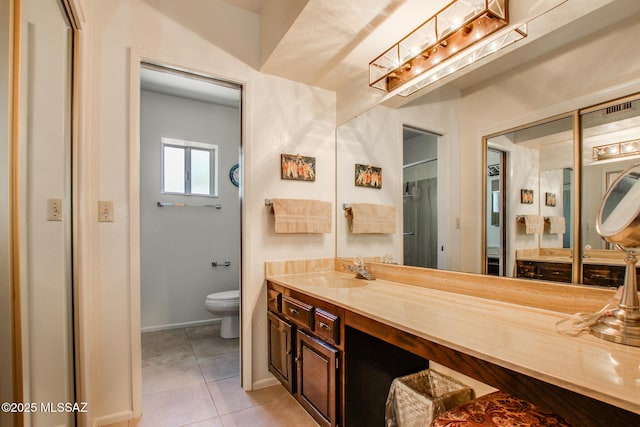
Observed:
{"x":226,"y":295}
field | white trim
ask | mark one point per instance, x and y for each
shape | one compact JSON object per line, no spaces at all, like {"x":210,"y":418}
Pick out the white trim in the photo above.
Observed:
{"x":267,"y":382}
{"x":136,"y":58}
{"x":120,"y":417}
{"x":134,"y":231}
{"x":181,"y":325}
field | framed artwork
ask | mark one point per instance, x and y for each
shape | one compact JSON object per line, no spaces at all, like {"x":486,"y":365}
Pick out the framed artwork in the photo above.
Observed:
{"x":297,"y":168}
{"x":368,"y":176}
{"x":526,"y":197}
{"x":494,"y":170}
{"x":550,"y":199}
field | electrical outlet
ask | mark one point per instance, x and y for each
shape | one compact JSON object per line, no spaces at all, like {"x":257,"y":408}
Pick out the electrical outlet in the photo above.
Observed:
{"x":54,"y":209}
{"x":105,"y":211}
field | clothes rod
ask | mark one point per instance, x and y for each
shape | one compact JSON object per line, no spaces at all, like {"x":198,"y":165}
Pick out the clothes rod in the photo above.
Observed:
{"x":185,"y":205}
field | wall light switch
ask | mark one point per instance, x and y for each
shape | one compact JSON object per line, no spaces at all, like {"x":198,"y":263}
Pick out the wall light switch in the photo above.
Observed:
{"x":54,"y":209}
{"x":105,"y":211}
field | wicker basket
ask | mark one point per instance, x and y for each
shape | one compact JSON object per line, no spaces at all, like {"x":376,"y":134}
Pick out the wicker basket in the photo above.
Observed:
{"x":417,"y":399}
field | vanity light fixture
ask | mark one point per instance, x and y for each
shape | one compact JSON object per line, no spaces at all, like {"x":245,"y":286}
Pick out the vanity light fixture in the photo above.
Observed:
{"x":618,"y":149}
{"x":455,"y":37}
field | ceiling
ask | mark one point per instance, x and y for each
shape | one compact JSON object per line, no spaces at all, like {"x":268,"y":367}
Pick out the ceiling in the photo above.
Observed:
{"x":329,"y":43}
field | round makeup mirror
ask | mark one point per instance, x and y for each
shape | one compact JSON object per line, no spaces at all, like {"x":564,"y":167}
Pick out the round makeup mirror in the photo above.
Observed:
{"x":618,"y":222}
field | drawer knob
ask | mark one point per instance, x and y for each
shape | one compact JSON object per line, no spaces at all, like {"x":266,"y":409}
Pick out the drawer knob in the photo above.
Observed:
{"x":293,"y":311}
{"x":324,"y":326}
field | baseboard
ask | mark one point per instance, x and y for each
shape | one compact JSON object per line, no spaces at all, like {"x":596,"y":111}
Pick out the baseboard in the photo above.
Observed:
{"x":114,"y":420}
{"x":180,"y":325}
{"x":267,"y":382}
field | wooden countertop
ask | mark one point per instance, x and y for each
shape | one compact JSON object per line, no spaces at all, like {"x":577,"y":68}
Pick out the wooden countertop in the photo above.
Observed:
{"x":521,"y":338}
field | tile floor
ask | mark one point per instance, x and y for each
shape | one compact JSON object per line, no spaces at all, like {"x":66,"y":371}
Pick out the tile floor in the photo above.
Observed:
{"x":191,"y":377}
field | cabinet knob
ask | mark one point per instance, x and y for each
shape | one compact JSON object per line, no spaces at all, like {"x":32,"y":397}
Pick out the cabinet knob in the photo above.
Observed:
{"x":324,"y":326}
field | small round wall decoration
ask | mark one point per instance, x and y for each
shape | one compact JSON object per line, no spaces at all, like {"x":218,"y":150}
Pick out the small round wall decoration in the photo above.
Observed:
{"x":234,"y":175}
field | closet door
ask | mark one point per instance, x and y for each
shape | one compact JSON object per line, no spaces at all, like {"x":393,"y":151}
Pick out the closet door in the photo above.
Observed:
{"x":43,"y":209}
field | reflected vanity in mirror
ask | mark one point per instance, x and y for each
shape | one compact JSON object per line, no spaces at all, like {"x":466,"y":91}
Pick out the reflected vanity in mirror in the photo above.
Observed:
{"x":619,"y":224}
{"x":529,"y":201}
{"x":554,"y":237}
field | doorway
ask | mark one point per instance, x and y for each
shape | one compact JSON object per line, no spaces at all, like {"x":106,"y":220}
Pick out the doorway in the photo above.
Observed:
{"x":420,"y":197}
{"x":495,"y":226}
{"x":190,"y":231}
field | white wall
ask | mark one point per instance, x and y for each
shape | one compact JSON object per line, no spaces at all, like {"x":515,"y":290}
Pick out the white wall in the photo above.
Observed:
{"x":377,"y":135}
{"x":551,"y":182}
{"x":373,"y":138}
{"x":554,"y":84}
{"x":279,"y":117}
{"x":179,"y":244}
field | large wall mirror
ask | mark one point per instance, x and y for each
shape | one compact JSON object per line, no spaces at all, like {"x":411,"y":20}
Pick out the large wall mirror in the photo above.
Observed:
{"x":523,"y":204}
{"x":545,"y":228}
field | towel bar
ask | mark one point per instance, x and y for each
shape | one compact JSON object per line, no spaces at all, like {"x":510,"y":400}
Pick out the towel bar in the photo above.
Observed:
{"x":185,"y":205}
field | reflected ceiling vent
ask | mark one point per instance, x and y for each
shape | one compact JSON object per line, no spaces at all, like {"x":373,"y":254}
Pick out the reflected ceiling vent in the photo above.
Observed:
{"x":618,"y":108}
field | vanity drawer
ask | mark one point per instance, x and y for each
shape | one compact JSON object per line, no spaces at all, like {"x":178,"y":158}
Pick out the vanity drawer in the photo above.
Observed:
{"x":298,"y":311}
{"x":274,"y":300}
{"x":327,"y":325}
{"x":555,"y":271}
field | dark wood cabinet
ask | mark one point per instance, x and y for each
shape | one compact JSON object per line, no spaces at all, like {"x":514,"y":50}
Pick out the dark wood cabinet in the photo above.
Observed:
{"x":553,"y":271}
{"x":593,"y":274}
{"x":317,"y":372}
{"x":305,"y":350}
{"x":281,"y":351}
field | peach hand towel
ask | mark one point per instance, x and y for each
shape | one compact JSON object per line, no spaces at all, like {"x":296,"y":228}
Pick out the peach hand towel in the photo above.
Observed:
{"x":534,"y":224}
{"x":302,"y":216}
{"x":372,"y":218}
{"x":556,"y":225}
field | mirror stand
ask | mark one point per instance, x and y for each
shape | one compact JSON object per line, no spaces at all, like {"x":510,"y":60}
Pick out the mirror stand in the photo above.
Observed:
{"x":623,"y":325}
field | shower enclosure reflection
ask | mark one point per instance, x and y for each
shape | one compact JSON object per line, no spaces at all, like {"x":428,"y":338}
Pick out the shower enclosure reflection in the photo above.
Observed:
{"x":420,"y":196}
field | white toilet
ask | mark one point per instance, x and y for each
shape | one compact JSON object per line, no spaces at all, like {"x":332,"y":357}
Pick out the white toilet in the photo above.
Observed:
{"x":227,"y":306}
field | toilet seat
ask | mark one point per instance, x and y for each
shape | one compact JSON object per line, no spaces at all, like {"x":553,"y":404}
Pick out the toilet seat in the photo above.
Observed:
{"x":226,"y":296}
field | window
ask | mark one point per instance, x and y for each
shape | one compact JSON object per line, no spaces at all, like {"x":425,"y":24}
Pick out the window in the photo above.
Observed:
{"x":189,"y":168}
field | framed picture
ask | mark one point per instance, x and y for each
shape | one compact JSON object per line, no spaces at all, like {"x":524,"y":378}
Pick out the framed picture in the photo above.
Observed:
{"x":550,"y":199}
{"x":368,"y":176}
{"x":526,"y":197}
{"x":297,"y":168}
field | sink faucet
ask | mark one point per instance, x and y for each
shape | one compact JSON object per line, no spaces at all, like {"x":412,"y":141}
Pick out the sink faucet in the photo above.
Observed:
{"x":361,"y":269}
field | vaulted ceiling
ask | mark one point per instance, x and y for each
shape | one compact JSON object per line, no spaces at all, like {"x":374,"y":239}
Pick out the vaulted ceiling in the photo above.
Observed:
{"x":329,"y":43}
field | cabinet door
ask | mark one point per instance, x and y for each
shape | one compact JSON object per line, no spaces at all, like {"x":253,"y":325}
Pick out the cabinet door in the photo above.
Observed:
{"x":317,"y":366}
{"x":281,"y":351}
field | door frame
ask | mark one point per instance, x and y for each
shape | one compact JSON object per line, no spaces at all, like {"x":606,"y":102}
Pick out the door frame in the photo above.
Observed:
{"x":136,"y":59}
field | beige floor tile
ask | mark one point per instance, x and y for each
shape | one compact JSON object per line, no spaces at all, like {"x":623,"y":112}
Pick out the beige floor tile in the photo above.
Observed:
{"x":220,"y":367}
{"x":281,"y":412}
{"x":213,"y":422}
{"x":229,"y":397}
{"x":214,"y":346}
{"x":206,"y":331}
{"x":156,"y":355}
{"x":177,"y":407}
{"x":163,"y":338}
{"x":170,"y":376}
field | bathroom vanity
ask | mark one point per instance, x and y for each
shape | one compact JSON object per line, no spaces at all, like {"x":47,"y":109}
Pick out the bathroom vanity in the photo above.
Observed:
{"x":336,"y":342}
{"x":599,"y":267}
